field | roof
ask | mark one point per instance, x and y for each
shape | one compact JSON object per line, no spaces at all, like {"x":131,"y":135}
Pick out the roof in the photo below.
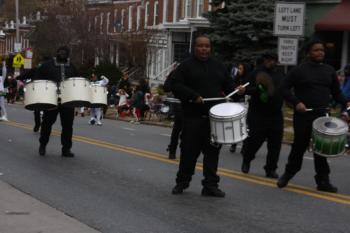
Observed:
{"x":338,"y":19}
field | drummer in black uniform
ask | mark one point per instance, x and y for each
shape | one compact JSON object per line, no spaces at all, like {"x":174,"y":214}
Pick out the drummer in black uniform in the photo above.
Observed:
{"x":57,"y":69}
{"x":265,"y":117}
{"x":196,"y":78}
{"x":314,"y":83}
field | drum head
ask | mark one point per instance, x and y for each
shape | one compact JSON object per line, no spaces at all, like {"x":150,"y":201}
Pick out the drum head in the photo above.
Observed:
{"x":227,"y":110}
{"x":330,"y":126}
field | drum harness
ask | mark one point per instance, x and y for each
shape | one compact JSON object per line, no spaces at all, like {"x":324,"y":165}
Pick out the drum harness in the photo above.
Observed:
{"x":63,"y":74}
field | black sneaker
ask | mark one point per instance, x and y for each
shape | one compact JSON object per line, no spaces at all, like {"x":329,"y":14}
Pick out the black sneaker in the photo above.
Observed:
{"x":327,"y":187}
{"x":212,"y":192}
{"x":172,"y":155}
{"x":36,"y":128}
{"x":42,"y":150}
{"x":67,"y":154}
{"x":179,"y":189}
{"x":245,"y":167}
{"x":283,"y":180}
{"x":233,"y":148}
{"x":271,"y":174}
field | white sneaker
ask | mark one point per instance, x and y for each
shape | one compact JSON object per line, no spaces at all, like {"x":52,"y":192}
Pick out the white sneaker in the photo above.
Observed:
{"x":99,"y":123}
{"x":3,"y":118}
{"x":92,"y":121}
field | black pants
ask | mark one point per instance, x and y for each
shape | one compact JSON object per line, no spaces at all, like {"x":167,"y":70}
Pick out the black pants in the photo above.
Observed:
{"x":261,"y":128}
{"x":177,"y":128}
{"x":49,"y":118}
{"x":302,"y":133}
{"x":37,"y":118}
{"x":195,"y":138}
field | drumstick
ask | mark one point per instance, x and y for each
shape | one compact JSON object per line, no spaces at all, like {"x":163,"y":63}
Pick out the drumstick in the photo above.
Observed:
{"x":235,"y":91}
{"x":308,"y":110}
{"x":214,"y":99}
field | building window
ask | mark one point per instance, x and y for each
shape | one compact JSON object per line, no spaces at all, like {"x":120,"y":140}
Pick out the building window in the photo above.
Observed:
{"x":122,"y":20}
{"x":146,"y":13}
{"x":101,"y":23}
{"x":188,"y":9}
{"x":115,"y":20}
{"x":89,"y":25}
{"x":108,"y":22}
{"x":130,"y":19}
{"x":138,"y":18}
{"x":155,"y":13}
{"x":95,"y":23}
{"x":200,"y":8}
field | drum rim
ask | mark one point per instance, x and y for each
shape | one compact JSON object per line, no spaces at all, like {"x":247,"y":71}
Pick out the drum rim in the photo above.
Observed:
{"x":237,"y":116}
{"x":242,"y":113}
{"x":40,"y":80}
{"x":75,"y":78}
{"x":331,"y":156}
{"x":318,"y":130}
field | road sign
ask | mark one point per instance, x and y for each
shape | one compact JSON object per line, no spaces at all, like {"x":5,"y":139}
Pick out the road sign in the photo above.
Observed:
{"x":18,"y":60}
{"x":288,"y":51}
{"x":289,"y":19}
{"x":27,"y":63}
{"x":18,"y":47}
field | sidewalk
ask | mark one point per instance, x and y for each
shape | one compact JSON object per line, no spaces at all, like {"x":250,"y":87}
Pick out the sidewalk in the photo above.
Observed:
{"x":20,"y":213}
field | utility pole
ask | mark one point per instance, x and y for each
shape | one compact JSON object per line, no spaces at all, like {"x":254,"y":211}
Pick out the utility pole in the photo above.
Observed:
{"x":17,"y":23}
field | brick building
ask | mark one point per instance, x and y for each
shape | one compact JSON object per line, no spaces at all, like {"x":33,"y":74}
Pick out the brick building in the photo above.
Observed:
{"x":172,"y":23}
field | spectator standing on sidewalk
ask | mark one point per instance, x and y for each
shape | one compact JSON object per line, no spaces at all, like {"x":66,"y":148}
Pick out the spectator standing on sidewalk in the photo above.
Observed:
{"x":3,"y":112}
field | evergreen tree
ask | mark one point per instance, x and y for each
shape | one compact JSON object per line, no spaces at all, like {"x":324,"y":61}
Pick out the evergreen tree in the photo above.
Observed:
{"x":242,"y":30}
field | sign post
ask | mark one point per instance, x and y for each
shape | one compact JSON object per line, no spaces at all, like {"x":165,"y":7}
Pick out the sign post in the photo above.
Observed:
{"x":289,"y":19}
{"x":289,"y":27}
{"x":288,"y":51}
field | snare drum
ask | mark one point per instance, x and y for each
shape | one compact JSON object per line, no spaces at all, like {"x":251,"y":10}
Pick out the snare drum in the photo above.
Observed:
{"x":98,"y":96}
{"x":40,"y":95}
{"x":329,"y":136}
{"x":75,"y":92}
{"x":228,"y":123}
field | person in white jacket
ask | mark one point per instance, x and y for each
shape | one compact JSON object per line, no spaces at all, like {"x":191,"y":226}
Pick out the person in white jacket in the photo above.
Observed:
{"x":96,"y":113}
{"x":3,"y":113}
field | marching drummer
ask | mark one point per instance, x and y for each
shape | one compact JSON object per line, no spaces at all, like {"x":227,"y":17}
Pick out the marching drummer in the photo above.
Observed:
{"x":265,"y":117}
{"x":96,"y":113}
{"x":314,"y":83}
{"x":196,"y":78}
{"x":57,"y":69}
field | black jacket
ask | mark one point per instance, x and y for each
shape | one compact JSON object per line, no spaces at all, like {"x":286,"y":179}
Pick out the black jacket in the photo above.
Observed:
{"x":194,"y":78}
{"x":274,"y":99}
{"x":313,"y":84}
{"x":50,"y":71}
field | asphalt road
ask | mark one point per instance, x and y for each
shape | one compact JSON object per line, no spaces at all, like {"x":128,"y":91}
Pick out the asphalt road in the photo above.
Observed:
{"x":121,"y":179}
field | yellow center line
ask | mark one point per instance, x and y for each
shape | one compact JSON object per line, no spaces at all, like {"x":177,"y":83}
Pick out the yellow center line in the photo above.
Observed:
{"x":334,"y":197}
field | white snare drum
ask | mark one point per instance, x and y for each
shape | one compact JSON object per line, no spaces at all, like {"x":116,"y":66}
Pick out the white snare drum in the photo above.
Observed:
{"x":228,"y":123}
{"x":98,"y":96}
{"x":40,"y":95}
{"x":75,"y":92}
{"x":329,"y":136}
